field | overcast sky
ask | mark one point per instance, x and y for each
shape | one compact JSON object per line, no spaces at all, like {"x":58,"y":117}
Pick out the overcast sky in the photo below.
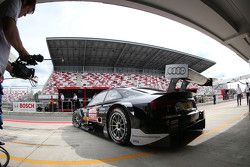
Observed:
{"x":88,"y":19}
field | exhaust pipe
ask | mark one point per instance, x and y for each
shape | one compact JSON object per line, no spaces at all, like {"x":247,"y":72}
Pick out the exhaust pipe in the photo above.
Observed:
{"x":99,"y":120}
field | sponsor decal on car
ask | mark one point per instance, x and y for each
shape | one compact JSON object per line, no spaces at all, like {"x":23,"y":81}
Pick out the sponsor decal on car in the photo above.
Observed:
{"x":92,"y":114}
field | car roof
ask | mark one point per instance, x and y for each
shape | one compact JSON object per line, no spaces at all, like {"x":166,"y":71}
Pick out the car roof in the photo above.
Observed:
{"x":141,"y":89}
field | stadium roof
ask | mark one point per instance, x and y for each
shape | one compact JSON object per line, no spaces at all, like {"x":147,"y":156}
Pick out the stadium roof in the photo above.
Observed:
{"x":114,"y":53}
{"x":227,"y":21}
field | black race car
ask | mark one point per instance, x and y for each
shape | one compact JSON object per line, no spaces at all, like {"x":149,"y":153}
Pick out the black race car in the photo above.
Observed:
{"x":140,"y":115}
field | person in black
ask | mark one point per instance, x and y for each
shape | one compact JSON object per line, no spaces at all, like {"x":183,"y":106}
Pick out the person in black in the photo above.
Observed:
{"x":247,"y":90}
{"x":214,"y":95}
{"x":1,"y":112}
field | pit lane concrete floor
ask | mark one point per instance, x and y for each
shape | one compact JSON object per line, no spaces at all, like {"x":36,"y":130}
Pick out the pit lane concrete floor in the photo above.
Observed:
{"x":225,"y":142}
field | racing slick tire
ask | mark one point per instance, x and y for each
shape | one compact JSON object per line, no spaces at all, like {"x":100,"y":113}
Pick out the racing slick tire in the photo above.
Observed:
{"x":119,"y":127}
{"x":76,"y":120}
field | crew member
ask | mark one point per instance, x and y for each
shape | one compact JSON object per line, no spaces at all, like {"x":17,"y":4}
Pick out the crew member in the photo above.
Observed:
{"x":239,"y":95}
{"x":214,"y":95}
{"x":1,"y":112}
{"x":74,"y":101}
{"x":60,"y":101}
{"x":10,"y":11}
{"x":247,"y":90}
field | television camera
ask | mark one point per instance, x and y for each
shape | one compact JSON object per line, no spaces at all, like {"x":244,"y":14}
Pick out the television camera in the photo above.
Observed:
{"x":20,"y":69}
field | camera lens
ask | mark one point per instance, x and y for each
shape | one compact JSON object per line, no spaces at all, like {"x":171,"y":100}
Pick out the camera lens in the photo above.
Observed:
{"x":38,"y":58}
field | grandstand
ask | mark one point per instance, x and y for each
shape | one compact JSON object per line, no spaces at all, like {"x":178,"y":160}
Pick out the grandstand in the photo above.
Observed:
{"x":15,"y":94}
{"x":92,"y":62}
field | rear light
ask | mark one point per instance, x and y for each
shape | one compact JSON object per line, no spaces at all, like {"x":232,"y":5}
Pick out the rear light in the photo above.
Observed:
{"x":158,"y":105}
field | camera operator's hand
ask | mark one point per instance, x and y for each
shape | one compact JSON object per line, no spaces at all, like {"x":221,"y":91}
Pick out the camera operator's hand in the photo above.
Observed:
{"x":9,"y":68}
{"x":24,"y":55}
{"x":1,"y":78}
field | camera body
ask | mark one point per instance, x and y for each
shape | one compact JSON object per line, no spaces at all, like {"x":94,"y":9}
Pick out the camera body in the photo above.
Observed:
{"x":20,"y":69}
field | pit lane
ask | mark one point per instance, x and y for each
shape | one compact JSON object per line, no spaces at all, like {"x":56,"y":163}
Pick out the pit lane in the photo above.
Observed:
{"x":49,"y":139}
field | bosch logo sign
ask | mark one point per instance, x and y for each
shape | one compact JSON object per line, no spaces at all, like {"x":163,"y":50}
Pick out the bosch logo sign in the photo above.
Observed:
{"x":176,"y":71}
{"x":24,"y":106}
{"x":27,"y":105}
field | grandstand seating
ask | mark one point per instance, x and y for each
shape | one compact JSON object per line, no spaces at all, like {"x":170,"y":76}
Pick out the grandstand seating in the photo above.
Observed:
{"x":204,"y":90}
{"x":15,"y":95}
{"x":70,"y":79}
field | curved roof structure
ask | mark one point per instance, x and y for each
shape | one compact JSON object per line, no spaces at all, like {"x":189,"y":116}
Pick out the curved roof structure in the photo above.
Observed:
{"x":114,"y":53}
{"x":227,"y":21}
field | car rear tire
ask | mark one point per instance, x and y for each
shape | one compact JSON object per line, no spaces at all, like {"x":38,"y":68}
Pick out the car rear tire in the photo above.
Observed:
{"x":76,"y":120}
{"x":119,"y":128}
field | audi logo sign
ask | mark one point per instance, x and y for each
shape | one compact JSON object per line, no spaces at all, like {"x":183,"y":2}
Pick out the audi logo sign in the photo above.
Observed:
{"x":176,"y":71}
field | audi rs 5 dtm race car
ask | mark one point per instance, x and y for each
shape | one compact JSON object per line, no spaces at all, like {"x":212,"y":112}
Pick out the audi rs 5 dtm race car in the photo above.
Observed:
{"x":141,"y":116}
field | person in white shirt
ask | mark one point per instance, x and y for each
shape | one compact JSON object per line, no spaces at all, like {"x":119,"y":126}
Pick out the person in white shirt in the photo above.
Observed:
{"x":60,"y":101}
{"x":62,"y":97}
{"x":74,"y":101}
{"x":10,"y":11}
{"x":247,"y":90}
{"x":74,"y":97}
{"x":239,"y":95}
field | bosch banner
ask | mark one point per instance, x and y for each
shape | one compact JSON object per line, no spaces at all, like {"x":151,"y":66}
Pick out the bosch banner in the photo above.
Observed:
{"x":176,"y":71}
{"x":24,"y":106}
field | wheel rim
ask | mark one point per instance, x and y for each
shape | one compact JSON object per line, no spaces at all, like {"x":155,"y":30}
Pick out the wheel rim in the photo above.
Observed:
{"x":117,"y":126}
{"x":76,"y":120}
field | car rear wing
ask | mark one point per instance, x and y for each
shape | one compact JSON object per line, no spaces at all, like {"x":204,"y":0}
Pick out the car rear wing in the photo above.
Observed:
{"x":201,"y":80}
{"x":176,"y":72}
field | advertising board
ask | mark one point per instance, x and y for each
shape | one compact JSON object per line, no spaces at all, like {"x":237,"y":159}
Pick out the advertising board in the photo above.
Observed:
{"x":176,"y":71}
{"x":24,"y":106}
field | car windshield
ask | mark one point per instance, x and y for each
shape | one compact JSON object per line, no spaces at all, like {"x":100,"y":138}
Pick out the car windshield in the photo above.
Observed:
{"x":129,"y":93}
{"x":99,"y":98}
